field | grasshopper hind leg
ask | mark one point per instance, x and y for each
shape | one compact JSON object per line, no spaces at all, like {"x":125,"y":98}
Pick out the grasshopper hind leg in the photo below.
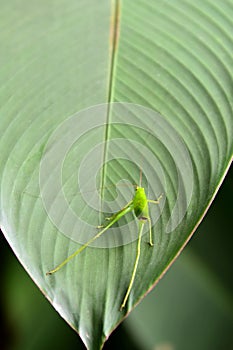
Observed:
{"x":135,"y":266}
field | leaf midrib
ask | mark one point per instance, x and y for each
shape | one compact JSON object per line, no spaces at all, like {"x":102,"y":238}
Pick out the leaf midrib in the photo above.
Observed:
{"x":114,"y":39}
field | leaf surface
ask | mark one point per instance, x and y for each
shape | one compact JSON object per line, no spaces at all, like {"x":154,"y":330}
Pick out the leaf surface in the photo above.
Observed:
{"x":168,"y":67}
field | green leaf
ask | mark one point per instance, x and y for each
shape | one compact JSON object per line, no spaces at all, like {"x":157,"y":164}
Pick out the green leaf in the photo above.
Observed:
{"x":169,"y":67}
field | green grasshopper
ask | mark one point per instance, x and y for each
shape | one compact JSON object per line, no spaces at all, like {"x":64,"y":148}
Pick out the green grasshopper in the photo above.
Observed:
{"x":139,"y":204}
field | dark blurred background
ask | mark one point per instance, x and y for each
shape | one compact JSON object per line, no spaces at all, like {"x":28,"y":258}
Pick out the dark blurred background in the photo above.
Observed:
{"x":191,"y":308}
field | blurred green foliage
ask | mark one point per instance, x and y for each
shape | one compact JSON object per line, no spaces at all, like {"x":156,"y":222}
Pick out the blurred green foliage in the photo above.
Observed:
{"x":191,"y":308}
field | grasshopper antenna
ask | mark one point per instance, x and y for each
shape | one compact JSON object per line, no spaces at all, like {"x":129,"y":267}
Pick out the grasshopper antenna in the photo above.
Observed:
{"x":140,"y":177}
